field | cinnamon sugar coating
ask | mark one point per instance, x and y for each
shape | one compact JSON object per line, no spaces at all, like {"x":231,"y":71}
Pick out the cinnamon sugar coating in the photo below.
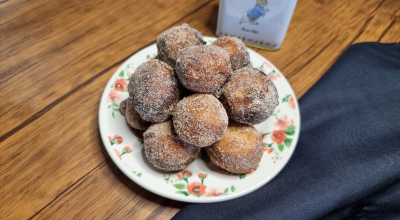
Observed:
{"x":249,"y":97}
{"x":200,"y":119}
{"x":239,"y":56}
{"x":239,"y":151}
{"x":174,"y":39}
{"x":203,"y":69}
{"x":165,"y":150}
{"x":154,"y":91}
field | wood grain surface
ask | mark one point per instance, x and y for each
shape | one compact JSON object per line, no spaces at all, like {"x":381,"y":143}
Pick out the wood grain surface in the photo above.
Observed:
{"x":57,"y":56}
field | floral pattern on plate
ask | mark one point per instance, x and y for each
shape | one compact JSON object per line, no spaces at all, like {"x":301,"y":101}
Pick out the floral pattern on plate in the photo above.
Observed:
{"x":195,"y":188}
{"x":201,"y":181}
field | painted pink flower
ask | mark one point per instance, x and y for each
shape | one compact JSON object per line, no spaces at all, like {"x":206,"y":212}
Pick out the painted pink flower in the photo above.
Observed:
{"x":278,"y":136}
{"x":115,"y":140}
{"x":118,"y":154}
{"x":151,"y":58}
{"x":183,"y":172}
{"x":113,"y":96}
{"x":267,"y":64}
{"x":213,"y":192}
{"x":274,"y":76}
{"x":202,"y":175}
{"x":283,"y":123}
{"x":268,"y":150}
{"x":291,"y":103}
{"x":196,"y":188}
{"x":128,"y":149}
{"x":120,"y":85}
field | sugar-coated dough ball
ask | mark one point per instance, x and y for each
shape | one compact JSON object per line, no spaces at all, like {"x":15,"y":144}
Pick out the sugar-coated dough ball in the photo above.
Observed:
{"x":249,"y":97}
{"x":165,"y":150}
{"x":203,"y":69}
{"x":200,"y":119}
{"x":238,"y":53}
{"x":240,"y":149}
{"x":154,"y":91}
{"x":132,"y":117}
{"x":174,"y":39}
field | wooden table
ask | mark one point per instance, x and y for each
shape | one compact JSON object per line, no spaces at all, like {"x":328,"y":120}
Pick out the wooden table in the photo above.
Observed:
{"x":56,"y":58}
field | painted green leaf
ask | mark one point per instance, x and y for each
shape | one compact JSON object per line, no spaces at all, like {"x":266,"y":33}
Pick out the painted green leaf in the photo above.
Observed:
{"x":270,"y":145}
{"x":280,"y":147}
{"x":139,"y":174}
{"x":134,"y":171}
{"x":288,"y":142}
{"x":113,"y":141}
{"x":204,"y":156}
{"x":242,"y":176}
{"x":265,"y":134}
{"x":121,"y":74}
{"x":183,"y":192}
{"x":116,"y":109}
{"x":116,"y":105}
{"x":112,"y":86}
{"x":233,"y":188}
{"x":226,"y":190}
{"x":290,"y":130}
{"x":113,"y":114}
{"x":123,"y":152}
{"x":273,"y":71}
{"x":180,"y":186}
{"x":109,"y":106}
{"x":185,"y":176}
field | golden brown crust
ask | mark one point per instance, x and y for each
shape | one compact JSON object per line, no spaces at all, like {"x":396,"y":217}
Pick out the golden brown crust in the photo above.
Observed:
{"x":154,"y":91}
{"x":203,"y":69}
{"x":200,"y":119}
{"x":165,"y":150}
{"x":239,"y":56}
{"x":249,"y":97}
{"x":239,"y":151}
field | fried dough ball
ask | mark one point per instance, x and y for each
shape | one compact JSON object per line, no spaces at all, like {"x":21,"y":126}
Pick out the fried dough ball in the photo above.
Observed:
{"x":203,"y":69}
{"x":249,"y":97}
{"x":132,"y":117}
{"x":173,"y":40}
{"x":122,"y":106}
{"x":154,"y":91}
{"x":165,"y":150}
{"x":237,"y":51}
{"x":200,"y":119}
{"x":239,"y":151}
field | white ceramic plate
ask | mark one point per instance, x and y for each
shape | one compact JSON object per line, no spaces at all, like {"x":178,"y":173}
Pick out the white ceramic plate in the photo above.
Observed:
{"x":201,"y":181}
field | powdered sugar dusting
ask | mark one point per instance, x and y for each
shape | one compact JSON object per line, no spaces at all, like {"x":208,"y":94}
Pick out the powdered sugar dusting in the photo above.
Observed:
{"x":165,"y":150}
{"x":173,"y":40}
{"x":239,"y":56}
{"x":203,"y":69}
{"x":249,"y":97}
{"x":154,"y":91}
{"x":239,"y":151}
{"x":200,"y":119}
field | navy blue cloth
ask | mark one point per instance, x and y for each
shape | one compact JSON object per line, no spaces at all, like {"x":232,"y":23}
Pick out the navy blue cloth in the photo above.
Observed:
{"x":347,"y":161}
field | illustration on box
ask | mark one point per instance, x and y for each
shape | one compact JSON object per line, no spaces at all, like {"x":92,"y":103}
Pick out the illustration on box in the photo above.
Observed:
{"x":258,"y":11}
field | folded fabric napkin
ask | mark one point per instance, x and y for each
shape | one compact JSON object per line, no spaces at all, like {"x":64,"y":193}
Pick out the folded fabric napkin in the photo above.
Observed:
{"x":347,"y":162}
